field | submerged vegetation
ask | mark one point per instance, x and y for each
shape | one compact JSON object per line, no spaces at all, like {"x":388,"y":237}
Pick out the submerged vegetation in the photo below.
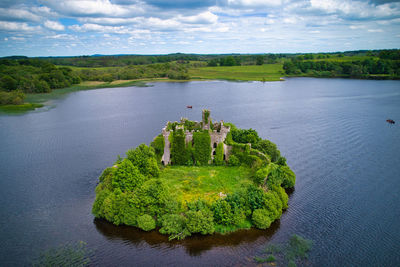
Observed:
{"x":293,"y":252}
{"x":196,"y":193}
{"x":71,"y":254}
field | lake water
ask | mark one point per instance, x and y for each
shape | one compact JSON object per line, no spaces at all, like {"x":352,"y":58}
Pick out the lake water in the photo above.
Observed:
{"x":333,"y":133}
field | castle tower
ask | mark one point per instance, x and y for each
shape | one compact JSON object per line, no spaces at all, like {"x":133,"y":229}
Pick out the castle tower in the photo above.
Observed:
{"x":206,"y":119}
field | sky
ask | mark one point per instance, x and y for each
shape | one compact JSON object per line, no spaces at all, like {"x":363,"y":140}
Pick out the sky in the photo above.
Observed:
{"x":87,"y":27}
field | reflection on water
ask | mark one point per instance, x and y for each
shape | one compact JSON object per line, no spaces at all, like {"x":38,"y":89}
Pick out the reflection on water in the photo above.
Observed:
{"x":194,"y":246}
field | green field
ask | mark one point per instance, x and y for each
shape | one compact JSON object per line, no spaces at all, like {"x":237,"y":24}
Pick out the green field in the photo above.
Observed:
{"x":267,"y":72}
{"x":206,"y":182}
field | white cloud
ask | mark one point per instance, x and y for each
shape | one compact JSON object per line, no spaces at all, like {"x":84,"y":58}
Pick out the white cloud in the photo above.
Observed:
{"x":17,"y":38}
{"x":89,"y":27}
{"x":254,"y":3}
{"x":54,"y":25}
{"x":18,"y":14}
{"x":375,"y":30}
{"x":16,"y":26}
{"x":61,"y":36}
{"x":202,"y":18}
{"x":94,"y":8}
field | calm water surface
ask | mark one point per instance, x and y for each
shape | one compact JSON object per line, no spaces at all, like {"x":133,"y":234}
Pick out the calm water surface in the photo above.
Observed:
{"x":332,"y":131}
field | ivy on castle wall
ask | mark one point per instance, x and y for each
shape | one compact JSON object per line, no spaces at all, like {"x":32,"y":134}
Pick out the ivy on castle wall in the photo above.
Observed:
{"x":158,"y":145}
{"x":219,"y":155}
{"x":206,"y":115}
{"x":179,"y":155}
{"x":202,"y":147}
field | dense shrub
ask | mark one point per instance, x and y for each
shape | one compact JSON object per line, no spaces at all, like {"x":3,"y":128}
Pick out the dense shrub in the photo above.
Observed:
{"x":174,"y":225}
{"x":143,"y":157}
{"x":12,"y":98}
{"x":288,"y":177}
{"x":146,"y":222}
{"x":127,"y":177}
{"x":233,"y":161}
{"x":201,"y":221}
{"x":261,"y":218}
{"x":269,"y":148}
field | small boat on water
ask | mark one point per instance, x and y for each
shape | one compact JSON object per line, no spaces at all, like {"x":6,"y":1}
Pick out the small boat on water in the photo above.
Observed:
{"x":189,"y":107}
{"x":390,"y":121}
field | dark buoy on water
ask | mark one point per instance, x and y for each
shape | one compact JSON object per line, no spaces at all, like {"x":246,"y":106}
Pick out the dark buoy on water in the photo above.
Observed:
{"x":189,"y":107}
{"x":390,"y":121}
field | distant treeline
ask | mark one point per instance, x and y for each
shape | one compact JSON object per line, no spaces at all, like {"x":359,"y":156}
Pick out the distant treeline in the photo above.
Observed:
{"x":41,"y":75}
{"x":385,"y":64}
{"x":27,"y":75}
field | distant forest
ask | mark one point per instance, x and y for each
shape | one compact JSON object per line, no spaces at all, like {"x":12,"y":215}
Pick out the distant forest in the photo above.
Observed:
{"x":19,"y":74}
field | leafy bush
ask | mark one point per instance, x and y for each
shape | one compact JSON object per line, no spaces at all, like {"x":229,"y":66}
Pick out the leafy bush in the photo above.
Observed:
{"x":261,"y":219}
{"x":269,"y":148}
{"x":233,"y":161}
{"x":288,"y":177}
{"x":222,"y":212}
{"x":201,"y":221}
{"x":175,"y":226}
{"x":245,"y":136}
{"x":144,"y":158}
{"x":127,"y":177}
{"x":146,"y":222}
{"x":12,"y":98}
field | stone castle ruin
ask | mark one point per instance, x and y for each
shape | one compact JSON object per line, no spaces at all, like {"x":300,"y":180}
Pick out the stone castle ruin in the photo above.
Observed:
{"x":218,"y":132}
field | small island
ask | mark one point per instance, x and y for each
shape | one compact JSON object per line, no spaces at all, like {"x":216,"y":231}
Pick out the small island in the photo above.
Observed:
{"x":196,"y":178}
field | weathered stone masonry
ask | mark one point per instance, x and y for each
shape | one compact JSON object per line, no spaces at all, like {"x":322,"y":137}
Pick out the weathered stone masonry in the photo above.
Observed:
{"x":218,"y":135}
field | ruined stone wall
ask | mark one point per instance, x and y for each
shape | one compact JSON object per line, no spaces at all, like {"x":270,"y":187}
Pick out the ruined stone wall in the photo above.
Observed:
{"x":216,"y":138}
{"x":166,"y":158}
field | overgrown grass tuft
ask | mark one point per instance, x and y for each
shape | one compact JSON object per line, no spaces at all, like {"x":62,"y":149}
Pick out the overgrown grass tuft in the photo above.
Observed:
{"x":19,"y":108}
{"x":206,"y":182}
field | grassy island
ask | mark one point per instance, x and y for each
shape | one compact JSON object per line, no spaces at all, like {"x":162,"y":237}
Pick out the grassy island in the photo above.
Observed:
{"x":196,"y":178}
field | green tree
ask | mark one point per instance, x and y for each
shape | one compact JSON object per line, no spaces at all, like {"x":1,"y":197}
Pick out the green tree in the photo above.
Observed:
{"x":260,"y":60}
{"x":288,"y":177}
{"x":261,"y":219}
{"x":146,"y":222}
{"x":269,"y":148}
{"x":175,"y":226}
{"x":222,"y":212}
{"x":144,"y":158}
{"x":201,"y":221}
{"x":127,"y":177}
{"x":7,"y":83}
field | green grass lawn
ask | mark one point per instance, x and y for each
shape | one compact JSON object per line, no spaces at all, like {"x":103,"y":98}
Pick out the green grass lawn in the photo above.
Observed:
{"x":205,"y":182}
{"x":267,"y":72}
